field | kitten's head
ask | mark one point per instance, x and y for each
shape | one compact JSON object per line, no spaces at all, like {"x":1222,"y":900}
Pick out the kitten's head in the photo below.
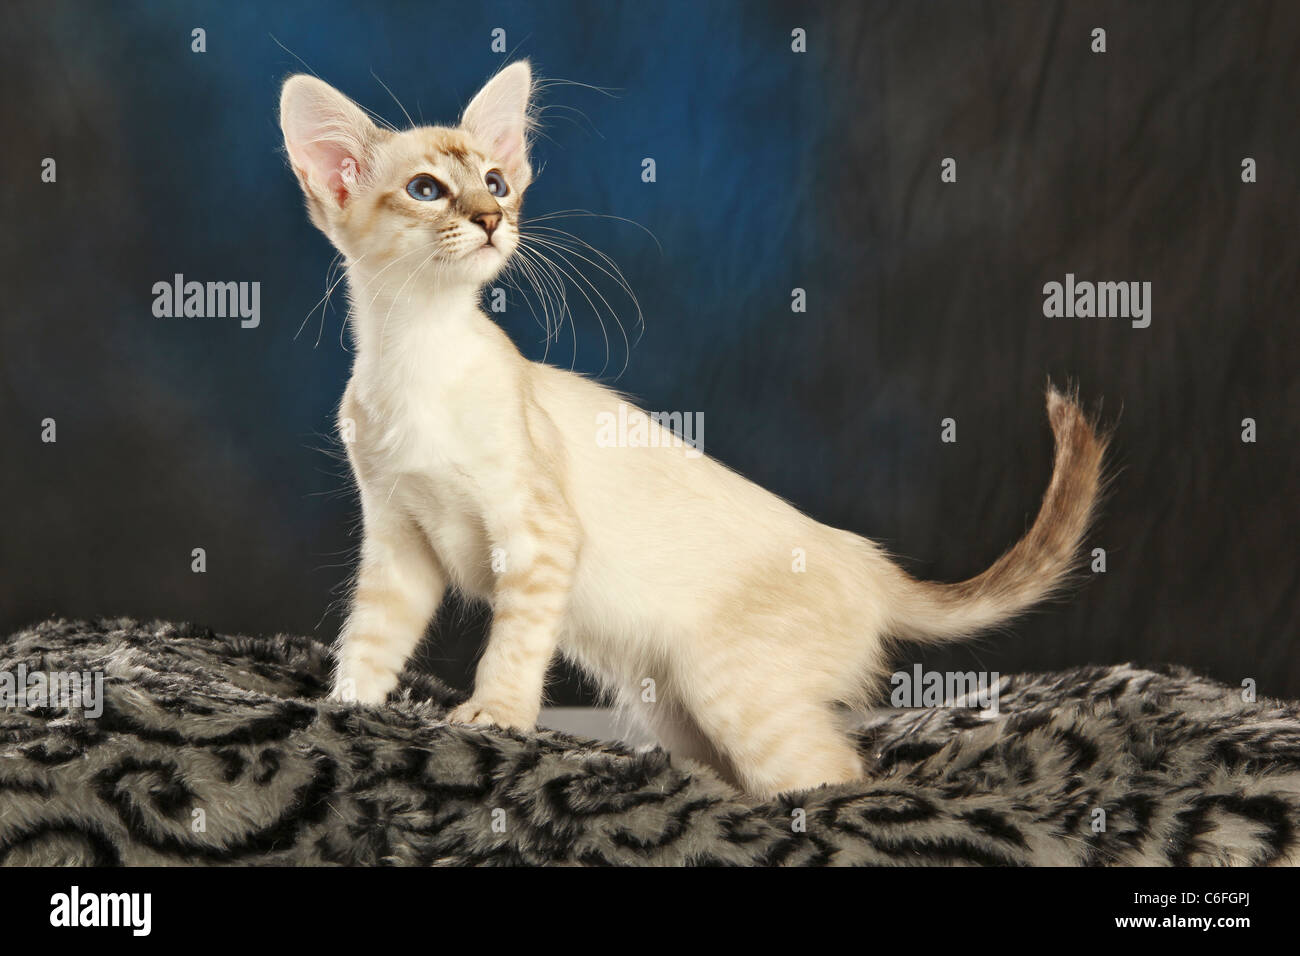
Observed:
{"x":443,"y":200}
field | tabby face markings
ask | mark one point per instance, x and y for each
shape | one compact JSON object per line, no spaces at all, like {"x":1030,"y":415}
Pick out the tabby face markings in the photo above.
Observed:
{"x":439,"y":204}
{"x":463,"y":231}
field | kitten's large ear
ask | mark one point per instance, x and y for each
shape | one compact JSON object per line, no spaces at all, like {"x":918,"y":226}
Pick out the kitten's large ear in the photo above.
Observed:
{"x":329,"y":139}
{"x":498,"y":117}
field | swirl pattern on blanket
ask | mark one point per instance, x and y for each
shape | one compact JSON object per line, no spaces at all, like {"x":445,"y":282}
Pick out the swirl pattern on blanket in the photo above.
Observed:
{"x":215,"y":749}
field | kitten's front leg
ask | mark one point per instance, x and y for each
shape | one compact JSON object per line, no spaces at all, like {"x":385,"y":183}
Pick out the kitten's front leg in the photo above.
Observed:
{"x":399,"y":587}
{"x":539,"y":545}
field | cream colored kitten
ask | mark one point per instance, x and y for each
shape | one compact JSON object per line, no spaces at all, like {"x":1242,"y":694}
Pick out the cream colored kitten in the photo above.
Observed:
{"x":480,"y":470}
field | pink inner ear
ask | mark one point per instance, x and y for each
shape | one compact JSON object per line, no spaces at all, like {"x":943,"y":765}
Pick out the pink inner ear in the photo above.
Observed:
{"x":507,"y":147}
{"x":335,"y":168}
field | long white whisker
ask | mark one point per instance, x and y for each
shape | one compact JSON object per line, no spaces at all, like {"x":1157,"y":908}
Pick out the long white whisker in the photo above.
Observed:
{"x":547,"y":286}
{"x":588,"y":214}
{"x":561,"y":251}
{"x":508,"y":277}
{"x":554,"y":286}
{"x":375,"y":278}
{"x":328,"y":272}
{"x":556,"y":280}
{"x":394,"y":96}
{"x":614,"y":272}
{"x":574,"y":277}
{"x":551,"y":283}
{"x":373,"y":115}
{"x":577,"y":278}
{"x":324,"y":300}
{"x":521,"y":265}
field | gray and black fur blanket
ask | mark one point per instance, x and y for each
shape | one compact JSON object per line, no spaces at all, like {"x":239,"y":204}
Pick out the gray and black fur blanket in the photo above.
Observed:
{"x":217,"y":749}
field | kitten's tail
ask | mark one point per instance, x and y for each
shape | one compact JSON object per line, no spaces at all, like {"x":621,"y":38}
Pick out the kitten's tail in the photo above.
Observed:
{"x":1038,"y":564}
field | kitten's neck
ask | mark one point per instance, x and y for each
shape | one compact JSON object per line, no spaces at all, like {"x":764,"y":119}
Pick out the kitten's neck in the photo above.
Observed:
{"x":391,"y":318}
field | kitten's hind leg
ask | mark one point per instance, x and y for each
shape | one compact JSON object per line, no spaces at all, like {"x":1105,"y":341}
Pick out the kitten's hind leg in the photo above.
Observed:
{"x":803,"y":748}
{"x":680,"y":735}
{"x":775,"y":731}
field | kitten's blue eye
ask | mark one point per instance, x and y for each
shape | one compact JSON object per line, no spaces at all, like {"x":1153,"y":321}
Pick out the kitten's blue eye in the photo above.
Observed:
{"x":424,"y":188}
{"x":496,"y":183}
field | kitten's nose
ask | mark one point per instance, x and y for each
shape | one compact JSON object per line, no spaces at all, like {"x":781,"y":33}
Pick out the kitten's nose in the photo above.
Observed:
{"x":488,"y":220}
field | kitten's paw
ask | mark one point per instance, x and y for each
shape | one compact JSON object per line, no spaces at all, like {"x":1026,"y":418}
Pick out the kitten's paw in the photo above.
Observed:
{"x":490,"y":714}
{"x":362,"y":688}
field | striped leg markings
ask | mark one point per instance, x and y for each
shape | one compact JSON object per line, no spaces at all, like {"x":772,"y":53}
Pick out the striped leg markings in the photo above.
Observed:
{"x":540,"y":544}
{"x":399,"y":587}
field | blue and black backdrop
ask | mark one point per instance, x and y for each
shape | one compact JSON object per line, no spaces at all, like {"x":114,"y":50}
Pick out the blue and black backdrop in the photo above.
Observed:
{"x":795,"y":146}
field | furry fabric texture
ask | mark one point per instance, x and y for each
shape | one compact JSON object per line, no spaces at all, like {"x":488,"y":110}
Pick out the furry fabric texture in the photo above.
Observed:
{"x":215,"y":749}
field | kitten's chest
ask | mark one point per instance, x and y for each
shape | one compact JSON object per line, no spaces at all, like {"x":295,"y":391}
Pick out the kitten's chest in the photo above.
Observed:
{"x":423,"y":466}
{"x":432,"y":444}
{"x":431,"y":407}
{"x":429,"y":441}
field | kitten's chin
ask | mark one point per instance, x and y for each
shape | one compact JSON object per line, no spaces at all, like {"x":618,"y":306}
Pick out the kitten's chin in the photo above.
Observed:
{"x":483,"y":264}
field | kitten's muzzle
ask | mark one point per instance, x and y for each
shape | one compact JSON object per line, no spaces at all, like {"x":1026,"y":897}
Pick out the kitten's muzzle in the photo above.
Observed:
{"x":488,"y":220}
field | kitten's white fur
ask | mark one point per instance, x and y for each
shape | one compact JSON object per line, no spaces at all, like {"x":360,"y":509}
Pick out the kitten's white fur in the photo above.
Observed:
{"x":662,"y":574}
